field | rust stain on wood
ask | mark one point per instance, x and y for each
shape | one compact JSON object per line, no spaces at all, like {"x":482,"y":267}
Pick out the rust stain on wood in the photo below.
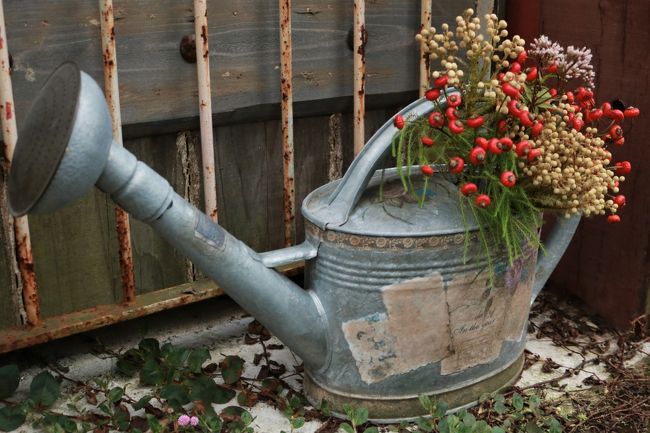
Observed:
{"x":360,"y":37}
{"x":286,"y":76}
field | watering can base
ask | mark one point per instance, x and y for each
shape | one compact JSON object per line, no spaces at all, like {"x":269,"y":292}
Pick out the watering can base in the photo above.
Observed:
{"x":397,"y":409}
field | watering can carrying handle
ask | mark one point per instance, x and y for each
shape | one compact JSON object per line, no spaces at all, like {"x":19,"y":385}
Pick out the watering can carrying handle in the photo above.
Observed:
{"x":347,"y":194}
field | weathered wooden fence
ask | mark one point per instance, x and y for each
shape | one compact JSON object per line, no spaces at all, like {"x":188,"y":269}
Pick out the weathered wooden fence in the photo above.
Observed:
{"x":341,"y":67}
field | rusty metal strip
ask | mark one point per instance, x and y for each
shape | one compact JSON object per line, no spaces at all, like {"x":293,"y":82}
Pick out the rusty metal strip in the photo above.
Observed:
{"x":425,"y":22}
{"x":360,"y":36}
{"x":52,"y":328}
{"x":24,"y":256}
{"x":205,"y":107}
{"x":287,"y":121}
{"x":112,"y":90}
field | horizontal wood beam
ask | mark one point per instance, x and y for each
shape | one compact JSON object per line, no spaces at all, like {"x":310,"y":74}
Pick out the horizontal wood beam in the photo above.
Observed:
{"x":157,"y":85}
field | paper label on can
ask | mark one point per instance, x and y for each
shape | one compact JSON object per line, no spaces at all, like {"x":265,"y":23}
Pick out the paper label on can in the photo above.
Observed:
{"x":461,"y":322}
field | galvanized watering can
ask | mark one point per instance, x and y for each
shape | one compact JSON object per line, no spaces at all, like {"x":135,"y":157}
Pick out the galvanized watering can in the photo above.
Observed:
{"x":391,"y":309}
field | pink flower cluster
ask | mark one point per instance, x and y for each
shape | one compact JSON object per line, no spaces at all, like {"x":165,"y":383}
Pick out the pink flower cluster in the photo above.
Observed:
{"x":184,"y":420}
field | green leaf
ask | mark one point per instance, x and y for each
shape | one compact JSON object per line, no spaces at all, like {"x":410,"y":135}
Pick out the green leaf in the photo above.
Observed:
{"x":115,"y":394}
{"x":469,"y":419}
{"x":426,"y":402}
{"x":347,"y":428}
{"x":68,"y":425}
{"x":500,"y":407}
{"x":518,"y":402}
{"x":150,"y":346}
{"x":177,"y":395}
{"x":360,"y":416}
{"x":212,"y":422}
{"x":151,"y":373}
{"x":298,"y":422}
{"x":178,"y":357}
{"x":9,"y":380}
{"x":497,"y":429}
{"x":142,"y":402}
{"x":424,"y":424}
{"x":231,"y":369}
{"x":206,"y":390}
{"x":441,"y":409}
{"x":11,"y":417}
{"x":130,"y":362}
{"x":372,"y":429}
{"x":44,"y":389}
{"x":325,"y":408}
{"x":349,"y":410}
{"x":196,"y":359}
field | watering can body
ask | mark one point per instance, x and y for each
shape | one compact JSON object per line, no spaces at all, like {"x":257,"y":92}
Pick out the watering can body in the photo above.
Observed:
{"x":396,"y":302}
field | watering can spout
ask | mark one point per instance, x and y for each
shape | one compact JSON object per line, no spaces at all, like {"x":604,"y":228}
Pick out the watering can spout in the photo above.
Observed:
{"x":66,"y":146}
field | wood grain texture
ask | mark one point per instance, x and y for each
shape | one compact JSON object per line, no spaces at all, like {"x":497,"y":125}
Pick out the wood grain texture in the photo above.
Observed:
{"x":156,"y":84}
{"x":609,"y":266}
{"x":75,"y":259}
{"x":10,"y":300}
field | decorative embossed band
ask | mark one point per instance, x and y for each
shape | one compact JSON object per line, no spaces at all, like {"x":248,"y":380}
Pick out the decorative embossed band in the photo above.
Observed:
{"x":384,"y":242}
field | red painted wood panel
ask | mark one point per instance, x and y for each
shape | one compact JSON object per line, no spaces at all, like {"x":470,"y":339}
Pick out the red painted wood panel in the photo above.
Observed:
{"x":609,"y":266}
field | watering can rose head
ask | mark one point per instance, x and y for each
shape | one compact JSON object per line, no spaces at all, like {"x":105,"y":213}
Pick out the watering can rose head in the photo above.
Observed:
{"x":512,"y":127}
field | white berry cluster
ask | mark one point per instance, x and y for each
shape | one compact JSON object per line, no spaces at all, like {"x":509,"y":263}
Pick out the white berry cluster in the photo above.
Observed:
{"x":573,"y":173}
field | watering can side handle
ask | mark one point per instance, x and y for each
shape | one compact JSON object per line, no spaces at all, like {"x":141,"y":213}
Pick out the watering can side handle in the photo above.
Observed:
{"x":556,"y":244}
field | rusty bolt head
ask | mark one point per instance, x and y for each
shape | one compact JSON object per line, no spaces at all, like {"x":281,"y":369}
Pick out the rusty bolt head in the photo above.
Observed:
{"x":188,"y":48}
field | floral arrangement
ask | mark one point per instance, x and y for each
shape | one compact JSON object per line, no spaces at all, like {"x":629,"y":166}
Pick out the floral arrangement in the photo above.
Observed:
{"x":518,"y":128}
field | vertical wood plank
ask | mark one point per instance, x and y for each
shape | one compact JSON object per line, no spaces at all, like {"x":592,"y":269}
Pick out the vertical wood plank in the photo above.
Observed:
{"x":157,"y":264}
{"x":609,"y":266}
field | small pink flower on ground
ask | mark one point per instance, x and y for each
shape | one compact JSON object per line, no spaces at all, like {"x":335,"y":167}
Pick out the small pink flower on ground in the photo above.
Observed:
{"x":183,"y":420}
{"x":194,"y":421}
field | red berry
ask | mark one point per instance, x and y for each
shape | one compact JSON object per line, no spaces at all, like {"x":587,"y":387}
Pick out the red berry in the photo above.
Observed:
{"x":615,"y":132}
{"x":606,"y":107}
{"x":534,"y":154}
{"x":631,"y":112}
{"x":441,"y":81}
{"x":455,"y":126}
{"x":399,"y":121}
{"x":552,"y":91}
{"x":526,"y":119}
{"x":436,"y":119}
{"x":451,"y":113}
{"x":468,"y":189}
{"x":427,"y":170}
{"x":613,"y":219}
{"x":477,"y":155}
{"x":494,"y":146}
{"x":515,"y":68}
{"x":521,"y":58}
{"x":619,"y":200}
{"x":427,"y":141}
{"x":620,"y":141}
{"x":483,"y":201}
{"x":616,"y":115}
{"x":570,"y":98}
{"x":502,"y":126}
{"x":531,"y":74}
{"x":456,"y":165}
{"x":482,"y":142}
{"x":522,"y":148}
{"x":432,"y":94}
{"x":552,"y":68}
{"x":475,"y":122}
{"x":623,"y":168}
{"x":510,"y":90}
{"x":595,"y":114}
{"x":508,"y":179}
{"x":578,"y":123}
{"x":454,"y":100}
{"x":536,"y":129}
{"x":514,"y":108}
{"x":506,"y":143}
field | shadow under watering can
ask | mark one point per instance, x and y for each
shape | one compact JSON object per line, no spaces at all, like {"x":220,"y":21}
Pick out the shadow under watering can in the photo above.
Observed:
{"x":392,"y":307}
